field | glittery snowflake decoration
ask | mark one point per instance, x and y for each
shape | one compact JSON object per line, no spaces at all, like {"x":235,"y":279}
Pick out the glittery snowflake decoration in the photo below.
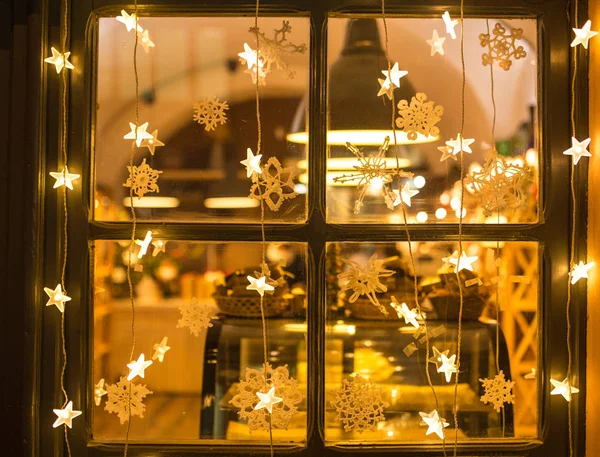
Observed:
{"x":256,"y":382}
{"x":420,"y":116}
{"x":196,"y":316}
{"x":372,"y":173}
{"x":210,"y":112}
{"x":497,"y":391}
{"x":499,"y":184}
{"x":119,"y":399}
{"x":274,"y":185}
{"x":142,"y":179}
{"x":273,"y":51}
{"x":501,"y":46}
{"x":359,"y":404}
{"x":365,"y":280}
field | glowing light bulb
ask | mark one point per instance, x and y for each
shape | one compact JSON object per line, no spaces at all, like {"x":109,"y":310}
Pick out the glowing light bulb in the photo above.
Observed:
{"x":440,"y":213}
{"x":260,"y":285}
{"x":160,"y":349}
{"x":137,"y":367}
{"x":580,"y":271}
{"x":435,"y":423}
{"x":422,"y":217}
{"x":267,"y":400}
{"x":583,"y":35}
{"x":252,"y":163}
{"x":65,"y":415}
{"x":419,"y":182}
{"x":59,"y":60}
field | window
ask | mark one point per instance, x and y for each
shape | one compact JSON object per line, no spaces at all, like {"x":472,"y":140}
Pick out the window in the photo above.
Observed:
{"x":316,"y":329}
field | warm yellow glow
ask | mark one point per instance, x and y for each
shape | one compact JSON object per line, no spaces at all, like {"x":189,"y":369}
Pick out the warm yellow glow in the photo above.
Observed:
{"x":152,"y":202}
{"x":339,"y":329}
{"x":349,"y":163}
{"x":422,"y":217}
{"x":362,"y":137}
{"x":440,"y":213}
{"x":230,"y":202}
{"x":419,"y":182}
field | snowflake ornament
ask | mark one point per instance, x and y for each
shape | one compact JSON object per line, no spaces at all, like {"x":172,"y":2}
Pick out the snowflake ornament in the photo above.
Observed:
{"x":499,"y":185}
{"x":267,"y":379}
{"x":498,"y":391}
{"x":126,"y":398}
{"x":273,"y":51}
{"x":420,"y":116}
{"x":274,"y":185}
{"x":501,"y":46}
{"x":359,"y":404}
{"x":210,"y":112}
{"x":196,"y":316}
{"x":365,"y":280}
{"x":142,"y":179}
{"x":372,"y":172}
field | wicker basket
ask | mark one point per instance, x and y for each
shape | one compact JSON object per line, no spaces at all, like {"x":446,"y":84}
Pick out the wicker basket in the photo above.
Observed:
{"x":250,"y":306}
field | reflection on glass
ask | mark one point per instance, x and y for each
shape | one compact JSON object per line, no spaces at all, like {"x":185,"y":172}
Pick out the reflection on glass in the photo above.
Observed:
{"x":356,"y":114}
{"x":196,"y":60}
{"x":193,"y":386}
{"x":383,"y":344}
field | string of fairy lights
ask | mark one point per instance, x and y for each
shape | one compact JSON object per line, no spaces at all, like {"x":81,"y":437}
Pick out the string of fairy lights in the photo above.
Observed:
{"x":275,"y":400}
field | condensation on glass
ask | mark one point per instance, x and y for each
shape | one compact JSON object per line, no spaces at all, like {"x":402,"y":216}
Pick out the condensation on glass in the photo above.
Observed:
{"x":392,"y":353}
{"x":195,"y":59}
{"x":356,"y":114}
{"x":193,"y":386}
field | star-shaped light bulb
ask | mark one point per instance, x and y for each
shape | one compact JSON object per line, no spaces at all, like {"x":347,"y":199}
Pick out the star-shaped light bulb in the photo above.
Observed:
{"x":65,"y":416}
{"x":251,"y":57}
{"x":141,"y":133}
{"x":99,"y":392}
{"x":448,"y":366}
{"x":129,"y":20}
{"x":464,"y":262}
{"x":394,"y":75}
{"x":64,"y":178}
{"x":405,"y":194}
{"x":447,"y":153}
{"x":563,"y":388}
{"x":160,"y":350}
{"x":260,"y":285}
{"x":159,"y":246}
{"x":152,"y":143}
{"x":137,"y":367}
{"x":59,"y":60}
{"x":267,"y":400}
{"x":435,"y":423}
{"x":146,"y":41}
{"x":581,"y":271}
{"x":450,"y":24}
{"x":387,"y":88}
{"x":436,"y":43}
{"x":252,"y":163}
{"x":578,"y":149}
{"x":144,"y":244}
{"x":437,"y":357}
{"x":410,"y":316}
{"x":460,"y":144}
{"x":57,"y":297}
{"x":583,"y":35}
{"x":531,"y":375}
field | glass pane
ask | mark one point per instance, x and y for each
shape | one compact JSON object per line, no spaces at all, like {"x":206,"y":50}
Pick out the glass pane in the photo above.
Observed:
{"x":364,"y":346}
{"x":358,"y":115}
{"x":176,"y":292}
{"x":194,"y":61}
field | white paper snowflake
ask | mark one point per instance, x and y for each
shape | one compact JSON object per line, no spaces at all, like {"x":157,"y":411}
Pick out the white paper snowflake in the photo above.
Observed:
{"x":210,"y":112}
{"x":359,"y":404}
{"x":497,"y":391}
{"x":118,"y":400}
{"x":196,"y":316}
{"x":256,"y":382}
{"x":142,"y":179}
{"x":502,"y":46}
{"x":420,"y":116}
{"x":274,"y":185}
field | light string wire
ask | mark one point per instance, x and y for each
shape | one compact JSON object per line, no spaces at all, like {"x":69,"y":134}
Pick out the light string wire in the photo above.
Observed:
{"x":262,"y":218}
{"x":460,"y":224}
{"x":410,"y":251}
{"x":573,"y":234}
{"x":133,"y":218}
{"x":63,"y":145}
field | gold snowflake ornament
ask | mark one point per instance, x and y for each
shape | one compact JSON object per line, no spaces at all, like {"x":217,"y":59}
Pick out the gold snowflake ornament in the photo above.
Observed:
{"x":372,"y":172}
{"x":497,"y":391}
{"x":210,"y":112}
{"x":359,"y":404}
{"x":274,"y":185}
{"x":273,"y":51}
{"x":255,"y":382}
{"x":499,"y":184}
{"x":121,"y":402}
{"x":195,"y":316}
{"x":365,"y":280}
{"x":420,"y":116}
{"x":501,"y":46}
{"x":142,"y":179}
